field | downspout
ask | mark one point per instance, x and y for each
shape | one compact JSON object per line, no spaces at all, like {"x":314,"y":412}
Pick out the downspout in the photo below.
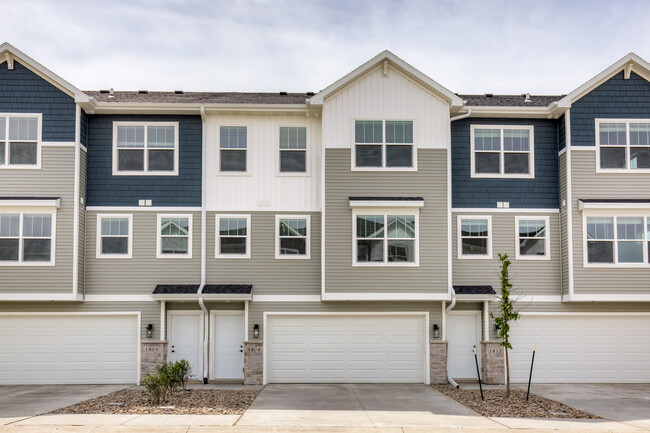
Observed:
{"x":449,"y":308}
{"x":206,"y":316}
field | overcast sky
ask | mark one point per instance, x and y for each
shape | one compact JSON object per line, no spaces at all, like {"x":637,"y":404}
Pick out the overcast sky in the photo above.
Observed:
{"x":543,"y":47}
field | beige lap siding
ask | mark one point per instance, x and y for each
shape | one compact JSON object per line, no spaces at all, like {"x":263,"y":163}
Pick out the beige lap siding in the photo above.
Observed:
{"x":563,"y":221}
{"x":429,"y":182}
{"x":54,"y":179}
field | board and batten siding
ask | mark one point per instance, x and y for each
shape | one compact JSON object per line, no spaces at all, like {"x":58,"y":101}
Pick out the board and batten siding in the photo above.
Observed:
{"x":374,"y":96}
{"x":140,"y":274}
{"x":54,"y":179}
{"x":150,"y":311}
{"x":256,"y":311}
{"x":529,"y":277}
{"x":429,"y":182}
{"x":268,"y":275}
{"x":586,"y":184}
{"x":564,"y":245}
{"x":263,"y":187}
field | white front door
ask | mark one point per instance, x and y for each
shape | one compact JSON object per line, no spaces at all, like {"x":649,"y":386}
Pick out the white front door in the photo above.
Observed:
{"x":228,"y":343}
{"x":185,"y":339}
{"x":462,"y":335}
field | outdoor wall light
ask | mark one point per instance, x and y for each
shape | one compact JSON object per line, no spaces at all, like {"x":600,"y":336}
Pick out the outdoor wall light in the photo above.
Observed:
{"x":436,"y":331}
{"x":256,"y":331}
{"x":149,"y":330}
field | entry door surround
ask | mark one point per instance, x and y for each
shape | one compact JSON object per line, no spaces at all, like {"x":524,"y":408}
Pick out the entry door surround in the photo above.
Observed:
{"x":466,"y":369}
{"x":227,"y":335}
{"x":186,"y":338}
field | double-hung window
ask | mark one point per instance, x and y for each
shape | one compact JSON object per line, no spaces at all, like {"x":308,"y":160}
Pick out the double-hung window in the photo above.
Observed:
{"x":20,"y":140}
{"x":174,"y":236}
{"x":114,"y":236}
{"x":293,"y":149}
{"x":233,"y":236}
{"x":623,"y":145}
{"x":474,"y":237}
{"x":532,"y":238}
{"x":616,"y":240}
{"x":145,"y":148}
{"x":385,"y":238}
{"x":233,"y":144}
{"x":502,"y":151}
{"x":27,"y":238}
{"x":383,"y":144}
{"x":292,"y":240}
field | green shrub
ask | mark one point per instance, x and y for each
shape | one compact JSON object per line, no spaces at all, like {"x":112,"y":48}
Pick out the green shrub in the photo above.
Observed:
{"x":155,"y":387}
{"x":182,"y":371}
{"x":168,"y":376}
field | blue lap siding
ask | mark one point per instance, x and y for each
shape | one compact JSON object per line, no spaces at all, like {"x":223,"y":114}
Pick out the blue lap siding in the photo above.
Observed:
{"x":540,"y":192}
{"x":104,"y":189}
{"x":616,"y":98}
{"x":22,"y":91}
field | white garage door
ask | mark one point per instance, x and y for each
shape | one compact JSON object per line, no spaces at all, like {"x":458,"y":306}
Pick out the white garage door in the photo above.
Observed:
{"x":58,"y":349}
{"x":587,"y":348}
{"x":341,"y":348}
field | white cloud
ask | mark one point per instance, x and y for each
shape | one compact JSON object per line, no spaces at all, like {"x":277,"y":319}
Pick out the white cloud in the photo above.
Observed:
{"x":471,"y":46}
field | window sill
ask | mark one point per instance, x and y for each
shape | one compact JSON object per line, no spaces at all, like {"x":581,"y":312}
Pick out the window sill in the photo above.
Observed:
{"x":292,"y":257}
{"x":232,"y":256}
{"x":173,"y":256}
{"x":534,"y":258}
{"x":113,"y":256}
{"x":140,"y":173}
{"x":394,"y":169}
{"x":233,"y":174}
{"x":386,"y":265}
{"x":292,"y":174}
{"x":476,"y":257}
{"x":21,"y":167}
{"x":501,"y":176}
{"x":622,"y":170}
{"x":617,"y":266}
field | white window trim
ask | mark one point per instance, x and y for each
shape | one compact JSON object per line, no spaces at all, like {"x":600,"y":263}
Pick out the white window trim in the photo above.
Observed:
{"x":614,"y":214}
{"x":307,"y":254}
{"x":383,"y":144}
{"x":98,"y":241}
{"x":462,"y":256}
{"x":307,"y":171}
{"x":146,"y":171}
{"x":217,"y":237}
{"x":32,"y":210}
{"x":627,"y":169}
{"x":547,"y":238}
{"x":531,"y":153}
{"x":387,"y":211}
{"x":39,"y":142}
{"x":248,"y":148}
{"x":159,"y":254}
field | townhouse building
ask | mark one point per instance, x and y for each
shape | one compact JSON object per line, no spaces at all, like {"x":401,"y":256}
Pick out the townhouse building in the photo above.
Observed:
{"x":346,"y":235}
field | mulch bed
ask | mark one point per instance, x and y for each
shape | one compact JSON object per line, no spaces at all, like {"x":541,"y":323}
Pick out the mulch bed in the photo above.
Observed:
{"x":496,"y":404}
{"x":188,"y":402}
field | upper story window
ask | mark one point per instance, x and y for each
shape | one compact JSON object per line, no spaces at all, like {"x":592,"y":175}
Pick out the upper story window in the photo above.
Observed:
{"x":27,"y":238}
{"x":385,"y":238}
{"x":20,"y":140}
{"x":616,"y":240}
{"x":233,"y":143}
{"x":293,"y":149}
{"x":145,"y":148}
{"x":474,"y":237}
{"x":623,"y":145}
{"x":502,"y":151}
{"x":174,"y":236}
{"x":532,"y":238}
{"x":292,"y":240}
{"x":233,"y":236}
{"x":383,"y":144}
{"x":114,"y":236}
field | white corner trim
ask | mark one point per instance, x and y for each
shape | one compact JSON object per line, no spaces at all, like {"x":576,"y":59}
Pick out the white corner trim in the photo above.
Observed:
{"x":387,"y":296}
{"x":387,"y":203}
{"x":76,"y":204}
{"x":450,"y":237}
{"x":569,"y":201}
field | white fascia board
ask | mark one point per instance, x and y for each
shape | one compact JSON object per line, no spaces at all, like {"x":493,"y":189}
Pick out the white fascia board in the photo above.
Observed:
{"x":641,"y":67}
{"x":356,"y":296}
{"x":614,"y":206}
{"x":170,"y":209}
{"x":31,"y":203}
{"x":41,"y":71}
{"x":66,"y":297}
{"x":516,"y":112}
{"x":642,"y":297}
{"x":453,"y":99}
{"x":174,"y":108}
{"x":209,"y":297}
{"x":503,"y":210}
{"x":386,"y":203}
{"x":474,"y":298}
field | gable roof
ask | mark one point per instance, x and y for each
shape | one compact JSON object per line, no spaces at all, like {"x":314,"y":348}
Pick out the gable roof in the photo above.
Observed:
{"x":8,"y":53}
{"x":453,"y":99}
{"x":630,"y":62}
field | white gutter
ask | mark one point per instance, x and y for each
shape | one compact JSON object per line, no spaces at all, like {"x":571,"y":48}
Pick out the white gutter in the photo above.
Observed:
{"x":449,"y":308}
{"x":462,"y":116}
{"x":206,"y":315}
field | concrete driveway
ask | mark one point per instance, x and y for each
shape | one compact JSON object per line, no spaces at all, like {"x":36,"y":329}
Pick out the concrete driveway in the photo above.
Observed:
{"x":23,"y":401}
{"x":626,"y":403}
{"x":360,"y":405}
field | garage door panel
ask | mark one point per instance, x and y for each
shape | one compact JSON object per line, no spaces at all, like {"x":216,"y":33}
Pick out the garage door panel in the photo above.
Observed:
{"x":43,"y":349}
{"x":385,"y":348}
{"x":598,"y":349}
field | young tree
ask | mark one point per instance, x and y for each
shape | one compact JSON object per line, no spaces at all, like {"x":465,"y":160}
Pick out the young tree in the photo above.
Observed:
{"x":506,"y":314}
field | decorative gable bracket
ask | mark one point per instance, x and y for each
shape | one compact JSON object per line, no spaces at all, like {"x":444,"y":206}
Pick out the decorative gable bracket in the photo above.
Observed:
{"x":628,"y":71}
{"x":10,"y":60}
